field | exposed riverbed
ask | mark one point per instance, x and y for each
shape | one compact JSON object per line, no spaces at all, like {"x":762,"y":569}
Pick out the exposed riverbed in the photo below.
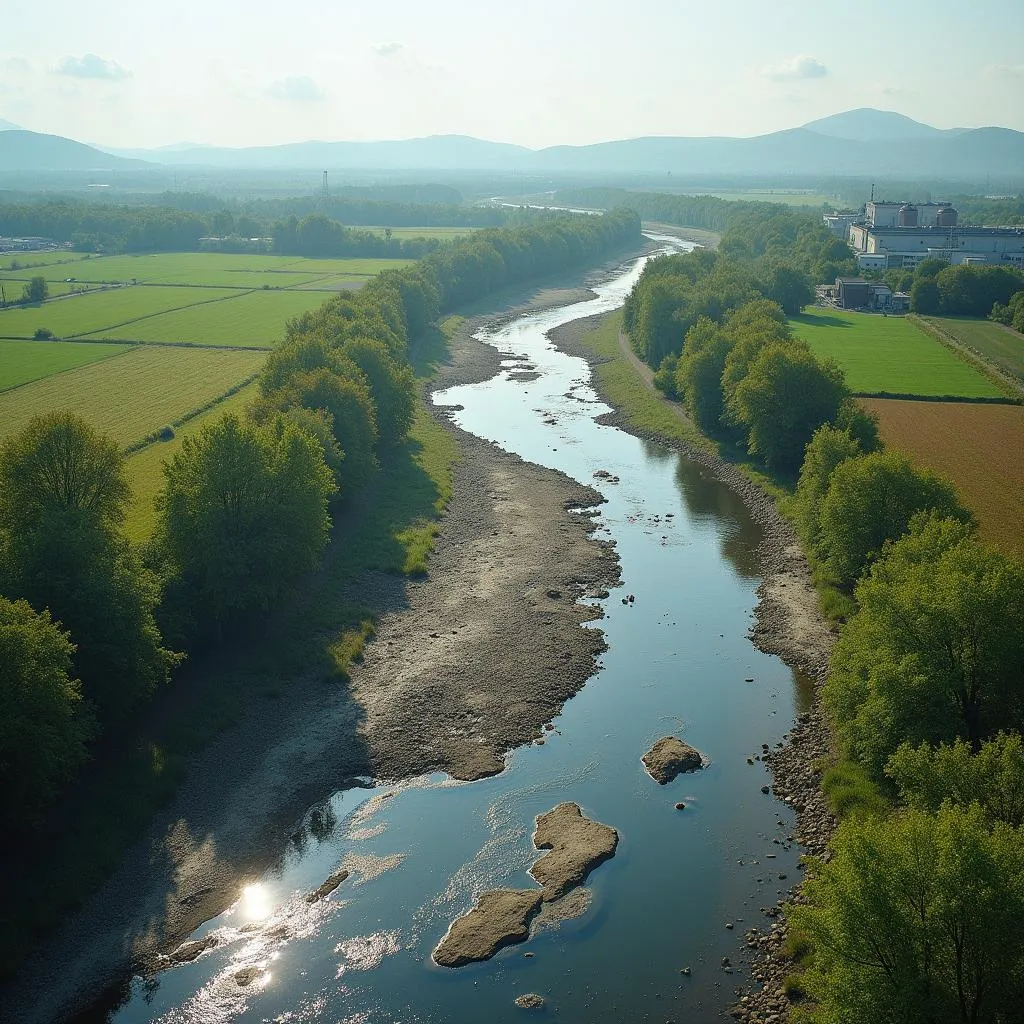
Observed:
{"x":679,"y":661}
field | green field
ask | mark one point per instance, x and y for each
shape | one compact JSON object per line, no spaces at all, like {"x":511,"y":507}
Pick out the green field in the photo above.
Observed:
{"x":30,"y":260}
{"x":133,"y":394}
{"x":22,"y":362}
{"x":889,"y":355}
{"x":87,"y":314}
{"x":145,"y":468}
{"x":998,"y":344}
{"x":13,"y":287}
{"x":251,"y":319}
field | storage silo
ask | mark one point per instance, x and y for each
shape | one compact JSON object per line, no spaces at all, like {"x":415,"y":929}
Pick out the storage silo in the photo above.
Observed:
{"x":907,"y":216}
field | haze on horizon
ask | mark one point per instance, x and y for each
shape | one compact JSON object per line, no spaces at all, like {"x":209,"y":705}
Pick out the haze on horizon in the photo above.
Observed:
{"x":538,"y":73}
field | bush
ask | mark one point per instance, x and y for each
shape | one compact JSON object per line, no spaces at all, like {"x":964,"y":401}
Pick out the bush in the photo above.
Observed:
{"x":43,"y":334}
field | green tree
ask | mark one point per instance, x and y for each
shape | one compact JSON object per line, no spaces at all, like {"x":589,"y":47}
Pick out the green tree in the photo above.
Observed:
{"x":785,"y":396}
{"x":871,"y":500}
{"x":62,"y":497}
{"x":924,"y":296}
{"x":915,"y":919}
{"x":392,"y":387}
{"x":992,"y":777}
{"x":935,"y":652}
{"x":699,"y":373}
{"x":45,"y":725}
{"x":37,"y":290}
{"x":829,"y":446}
{"x":243,"y":513}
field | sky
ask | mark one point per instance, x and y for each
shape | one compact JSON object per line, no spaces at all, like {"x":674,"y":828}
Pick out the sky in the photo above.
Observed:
{"x":137,"y":73}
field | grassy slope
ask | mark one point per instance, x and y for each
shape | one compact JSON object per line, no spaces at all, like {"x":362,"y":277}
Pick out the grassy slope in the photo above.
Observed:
{"x":1002,"y":346}
{"x":131,"y":395}
{"x":889,"y":355}
{"x":22,"y":362}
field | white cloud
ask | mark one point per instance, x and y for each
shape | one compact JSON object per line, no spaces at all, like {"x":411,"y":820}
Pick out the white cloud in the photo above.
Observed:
{"x":297,"y":89}
{"x":91,"y":66}
{"x":387,"y":49}
{"x":795,"y":69}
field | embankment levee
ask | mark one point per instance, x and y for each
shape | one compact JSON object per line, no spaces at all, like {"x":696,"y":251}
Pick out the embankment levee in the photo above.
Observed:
{"x":788,"y":623}
{"x":436,"y":690}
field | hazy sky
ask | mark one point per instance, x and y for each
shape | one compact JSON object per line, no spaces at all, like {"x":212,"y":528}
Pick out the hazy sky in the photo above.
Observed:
{"x":535,"y":72}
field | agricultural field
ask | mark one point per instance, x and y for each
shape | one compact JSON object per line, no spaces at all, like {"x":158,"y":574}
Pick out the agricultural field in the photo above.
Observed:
{"x":86,"y":314}
{"x":890,"y":355}
{"x":14,"y":286}
{"x":22,"y":362}
{"x":251,"y":319}
{"x":22,"y":261}
{"x":132,"y":395}
{"x":144,"y":468}
{"x":997,"y":343}
{"x":977,"y":446}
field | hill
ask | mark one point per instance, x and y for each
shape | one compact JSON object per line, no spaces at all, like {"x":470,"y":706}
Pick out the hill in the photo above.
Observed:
{"x":29,"y":151}
{"x":869,"y":125}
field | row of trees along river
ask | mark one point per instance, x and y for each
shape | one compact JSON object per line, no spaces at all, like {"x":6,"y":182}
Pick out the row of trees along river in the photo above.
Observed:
{"x":915,"y":917}
{"x":92,"y":625}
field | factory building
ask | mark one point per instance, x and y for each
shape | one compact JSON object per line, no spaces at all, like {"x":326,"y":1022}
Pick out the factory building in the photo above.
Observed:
{"x":905,"y":234}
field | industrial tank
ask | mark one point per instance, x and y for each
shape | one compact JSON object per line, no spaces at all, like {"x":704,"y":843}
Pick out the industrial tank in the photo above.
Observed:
{"x":908,"y":216}
{"x":945,"y":217}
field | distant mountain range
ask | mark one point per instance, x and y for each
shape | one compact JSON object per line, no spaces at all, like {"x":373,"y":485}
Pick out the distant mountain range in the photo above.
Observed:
{"x":8,"y":126}
{"x":863,"y":142}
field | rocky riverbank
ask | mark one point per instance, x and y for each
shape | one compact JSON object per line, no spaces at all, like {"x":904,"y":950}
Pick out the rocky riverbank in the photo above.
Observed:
{"x":789,"y":624}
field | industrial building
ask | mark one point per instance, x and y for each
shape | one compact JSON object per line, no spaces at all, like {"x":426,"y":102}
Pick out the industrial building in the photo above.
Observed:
{"x":856,"y":293}
{"x":904,"y":234}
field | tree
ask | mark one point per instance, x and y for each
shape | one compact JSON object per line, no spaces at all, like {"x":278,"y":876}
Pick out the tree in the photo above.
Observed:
{"x":699,"y":373}
{"x":829,"y":446}
{"x":915,"y":920}
{"x":992,"y":777}
{"x":935,"y":652}
{"x":924,"y":296}
{"x":37,"y":290}
{"x":61,"y":466}
{"x":45,"y":725}
{"x":62,"y":498}
{"x":392,"y":387}
{"x":785,"y":396}
{"x":871,"y":500}
{"x":243,"y":513}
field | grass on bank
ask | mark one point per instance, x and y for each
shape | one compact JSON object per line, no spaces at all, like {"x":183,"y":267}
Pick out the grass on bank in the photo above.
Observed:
{"x":312,"y":637}
{"x":997,"y":343}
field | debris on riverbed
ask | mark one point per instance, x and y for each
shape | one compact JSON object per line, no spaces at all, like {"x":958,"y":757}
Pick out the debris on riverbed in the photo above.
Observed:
{"x":670,"y":757}
{"x":529,"y":1001}
{"x":189,"y":951}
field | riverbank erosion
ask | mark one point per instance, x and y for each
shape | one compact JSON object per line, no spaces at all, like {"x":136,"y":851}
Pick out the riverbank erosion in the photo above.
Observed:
{"x":467,"y":663}
{"x":788,"y":623}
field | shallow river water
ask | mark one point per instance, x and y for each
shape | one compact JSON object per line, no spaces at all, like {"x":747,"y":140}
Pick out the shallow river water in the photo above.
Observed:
{"x":678,"y":662}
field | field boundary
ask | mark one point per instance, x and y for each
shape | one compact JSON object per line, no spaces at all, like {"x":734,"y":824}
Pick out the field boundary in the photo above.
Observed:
{"x":137,"y":446}
{"x":976,"y":400}
{"x":67,"y":369}
{"x":173,"y":309}
{"x":971,"y":356}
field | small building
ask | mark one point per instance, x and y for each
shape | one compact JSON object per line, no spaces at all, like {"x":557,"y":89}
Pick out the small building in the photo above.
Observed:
{"x":872,"y":261}
{"x":852,"y":292}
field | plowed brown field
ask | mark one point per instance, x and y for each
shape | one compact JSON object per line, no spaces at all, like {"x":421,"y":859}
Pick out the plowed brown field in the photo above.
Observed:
{"x":979,"y":447}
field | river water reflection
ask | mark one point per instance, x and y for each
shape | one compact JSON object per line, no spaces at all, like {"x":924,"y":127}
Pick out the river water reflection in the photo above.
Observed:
{"x":678,"y":661}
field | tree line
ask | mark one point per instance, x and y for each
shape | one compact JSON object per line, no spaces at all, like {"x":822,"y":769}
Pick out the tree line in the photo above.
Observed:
{"x":91,"y":624}
{"x":176,"y":223}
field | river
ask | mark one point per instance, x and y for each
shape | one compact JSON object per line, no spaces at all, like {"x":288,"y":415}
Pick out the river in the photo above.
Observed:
{"x":679,"y":661}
